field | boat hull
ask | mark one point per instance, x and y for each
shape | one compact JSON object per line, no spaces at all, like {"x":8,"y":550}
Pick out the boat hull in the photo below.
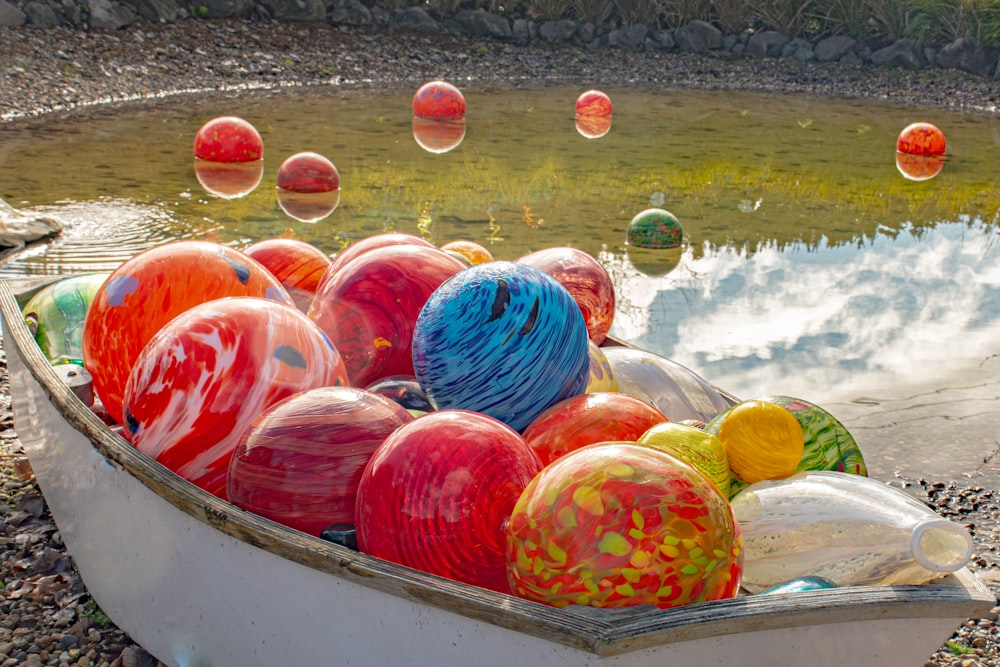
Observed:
{"x":196,"y":581}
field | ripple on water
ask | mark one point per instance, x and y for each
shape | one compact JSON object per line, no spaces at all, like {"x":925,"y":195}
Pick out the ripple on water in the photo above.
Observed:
{"x":98,"y":235}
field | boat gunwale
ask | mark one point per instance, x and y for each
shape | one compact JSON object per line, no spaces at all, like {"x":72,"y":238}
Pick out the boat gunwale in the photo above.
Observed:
{"x":598,"y":631}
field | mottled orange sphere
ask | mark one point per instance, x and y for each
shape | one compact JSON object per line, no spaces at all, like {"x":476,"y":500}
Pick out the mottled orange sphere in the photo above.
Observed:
{"x":921,"y":139}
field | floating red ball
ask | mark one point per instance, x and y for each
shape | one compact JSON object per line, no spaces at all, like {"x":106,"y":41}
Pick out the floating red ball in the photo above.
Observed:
{"x":921,"y":139}
{"x":439,"y":100}
{"x":308,"y":173}
{"x":228,"y":139}
{"x":593,"y":103}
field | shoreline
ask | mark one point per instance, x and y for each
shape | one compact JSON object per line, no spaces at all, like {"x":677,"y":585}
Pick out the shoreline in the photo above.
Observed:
{"x":45,"y":611}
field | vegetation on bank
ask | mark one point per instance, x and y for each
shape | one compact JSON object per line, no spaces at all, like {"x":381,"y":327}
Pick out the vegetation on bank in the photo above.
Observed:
{"x":924,"y":21}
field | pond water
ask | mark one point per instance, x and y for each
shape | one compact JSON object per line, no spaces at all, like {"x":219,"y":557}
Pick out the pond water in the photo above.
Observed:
{"x":811,"y":267}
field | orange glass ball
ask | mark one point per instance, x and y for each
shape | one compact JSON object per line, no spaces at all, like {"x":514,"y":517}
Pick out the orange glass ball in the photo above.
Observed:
{"x":921,"y":139}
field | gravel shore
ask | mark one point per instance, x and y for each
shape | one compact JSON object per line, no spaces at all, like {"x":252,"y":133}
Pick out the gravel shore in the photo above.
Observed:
{"x":46,"y":614}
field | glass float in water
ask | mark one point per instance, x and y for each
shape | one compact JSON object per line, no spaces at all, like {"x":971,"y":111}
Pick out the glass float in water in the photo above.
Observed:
{"x":438,"y":493}
{"x":228,"y":139}
{"x":296,"y":264}
{"x":439,"y":100}
{"x":850,"y":530}
{"x":501,"y":338}
{"x":921,"y":139}
{"x":149,"y":290}
{"x":308,"y":187}
{"x":593,"y":103}
{"x":621,"y":524}
{"x":654,"y":228}
{"x":56,"y":314}
{"x":301,"y":460}
{"x":438,"y":136}
{"x":205,"y":376}
{"x":229,"y":180}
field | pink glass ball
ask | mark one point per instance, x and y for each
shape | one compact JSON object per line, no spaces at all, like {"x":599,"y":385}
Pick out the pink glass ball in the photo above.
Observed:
{"x":586,"y":280}
{"x":308,"y":173}
{"x":439,"y":100}
{"x":300,"y":461}
{"x":620,"y":524}
{"x":228,"y":139}
{"x":205,"y":376}
{"x":149,"y":290}
{"x":296,"y":264}
{"x":438,"y":493}
{"x":586,"y":419}
{"x":370,"y":306}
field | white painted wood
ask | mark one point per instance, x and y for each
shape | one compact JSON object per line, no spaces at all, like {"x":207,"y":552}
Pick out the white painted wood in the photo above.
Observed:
{"x":194,"y":594}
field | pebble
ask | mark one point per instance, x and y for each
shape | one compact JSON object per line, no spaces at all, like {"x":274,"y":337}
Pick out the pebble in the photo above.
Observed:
{"x":52,"y":71}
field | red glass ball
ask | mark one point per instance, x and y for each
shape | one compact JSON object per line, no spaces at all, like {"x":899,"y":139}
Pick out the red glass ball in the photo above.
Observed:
{"x":593,"y":103}
{"x":361,"y":246}
{"x":921,"y":139}
{"x":296,"y":264}
{"x":149,"y":290}
{"x":438,"y":493}
{"x":586,"y":280}
{"x":308,"y":173}
{"x":202,"y":380}
{"x":370,"y":307}
{"x":300,"y":461}
{"x":587,"y":419}
{"x":439,"y":100}
{"x":228,"y":139}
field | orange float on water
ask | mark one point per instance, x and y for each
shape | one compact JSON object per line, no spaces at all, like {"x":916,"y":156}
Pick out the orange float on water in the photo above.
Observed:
{"x":593,"y":103}
{"x":439,"y":100}
{"x":921,"y":139}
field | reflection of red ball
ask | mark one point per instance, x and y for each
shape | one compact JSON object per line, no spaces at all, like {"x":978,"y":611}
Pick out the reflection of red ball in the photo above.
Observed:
{"x":585,"y":279}
{"x":205,"y":376}
{"x":437,"y":495}
{"x":300,"y":461}
{"x":439,"y":100}
{"x":593,"y":103}
{"x":296,"y":264}
{"x":919,"y":167}
{"x":308,"y":172}
{"x":229,"y":180}
{"x":152,"y":288}
{"x":593,"y":127}
{"x":619,"y":524}
{"x":589,"y":418}
{"x":370,"y":306}
{"x":438,"y":136}
{"x":228,"y":139}
{"x":921,"y":139}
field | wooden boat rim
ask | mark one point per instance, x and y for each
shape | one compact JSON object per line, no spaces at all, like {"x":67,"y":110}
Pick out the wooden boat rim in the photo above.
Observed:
{"x":598,"y":631}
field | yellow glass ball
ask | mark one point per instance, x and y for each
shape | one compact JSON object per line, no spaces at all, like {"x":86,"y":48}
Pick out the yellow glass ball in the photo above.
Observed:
{"x":762,"y":440}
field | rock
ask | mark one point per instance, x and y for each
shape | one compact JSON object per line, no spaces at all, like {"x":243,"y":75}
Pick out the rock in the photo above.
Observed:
{"x":109,"y":15}
{"x":698,"y":36}
{"x":41,"y":15}
{"x":155,"y":11}
{"x":296,"y":10}
{"x":906,"y":53}
{"x":11,"y":15}
{"x":965,"y":54}
{"x":18,"y":228}
{"x":481,"y":23}
{"x":520,"y":32}
{"x":415,"y":19}
{"x":557,"y":32}
{"x":630,"y":37}
{"x":218,"y":9}
{"x":794,"y":45}
{"x":833,"y":48}
{"x":350,"y":12}
{"x":664,"y":38}
{"x":767,"y":43}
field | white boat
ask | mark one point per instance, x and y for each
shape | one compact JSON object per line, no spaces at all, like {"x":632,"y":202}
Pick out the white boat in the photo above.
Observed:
{"x":197,"y":581}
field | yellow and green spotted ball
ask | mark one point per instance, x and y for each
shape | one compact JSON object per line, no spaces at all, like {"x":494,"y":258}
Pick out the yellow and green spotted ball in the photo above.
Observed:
{"x":621,"y":524}
{"x":654,"y":228}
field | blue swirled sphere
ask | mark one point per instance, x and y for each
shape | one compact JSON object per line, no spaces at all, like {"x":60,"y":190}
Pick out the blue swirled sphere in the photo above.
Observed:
{"x":503,"y":339}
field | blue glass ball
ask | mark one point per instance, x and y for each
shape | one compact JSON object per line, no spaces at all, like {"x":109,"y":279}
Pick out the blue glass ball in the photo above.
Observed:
{"x":503,"y":339}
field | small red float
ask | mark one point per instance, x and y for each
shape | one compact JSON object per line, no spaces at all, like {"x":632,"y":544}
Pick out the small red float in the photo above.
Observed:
{"x":439,"y":100}
{"x":228,"y":139}
{"x":593,"y":103}
{"x":921,"y":139}
{"x":308,"y":173}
